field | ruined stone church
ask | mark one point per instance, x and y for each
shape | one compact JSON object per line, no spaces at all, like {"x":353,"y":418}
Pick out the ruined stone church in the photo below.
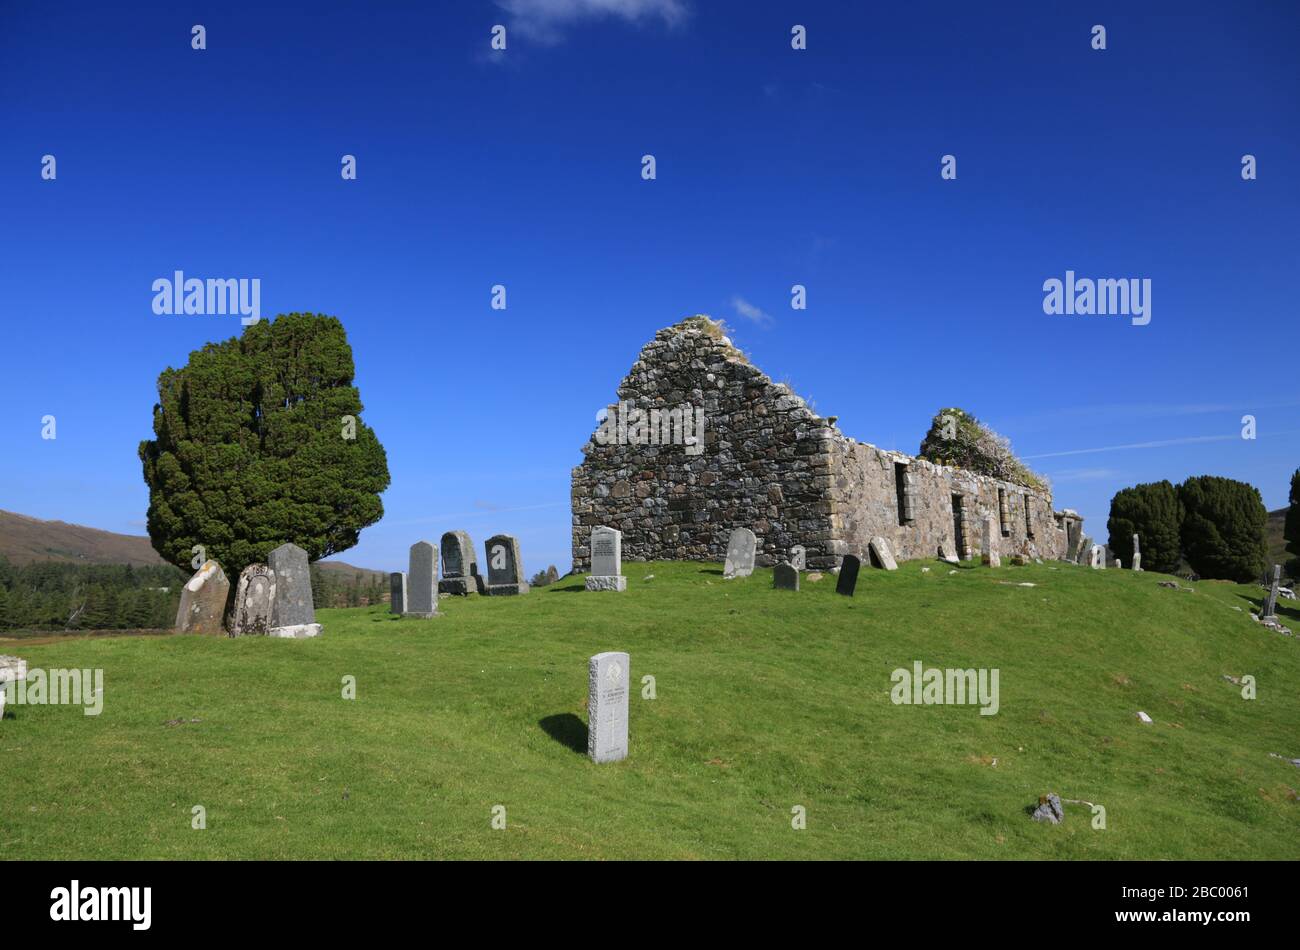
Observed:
{"x":701,"y":442}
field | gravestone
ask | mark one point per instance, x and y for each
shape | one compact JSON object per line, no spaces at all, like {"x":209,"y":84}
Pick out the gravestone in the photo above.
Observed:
{"x":799,"y":557}
{"x":254,"y":602}
{"x":606,"y":560}
{"x":989,"y":542}
{"x":741,"y":547}
{"x":293,"y":616}
{"x":203,"y":601}
{"x":12,"y":669}
{"x":459,"y":565}
{"x":505,"y":570}
{"x":1137,"y":555}
{"x":1270,"y":603}
{"x":422,"y":581}
{"x":1097,"y":557}
{"x":397,"y":592}
{"x":785,"y":577}
{"x":848,"y":581}
{"x":608,"y":676}
{"x":1119,"y":564}
{"x":881,"y":554}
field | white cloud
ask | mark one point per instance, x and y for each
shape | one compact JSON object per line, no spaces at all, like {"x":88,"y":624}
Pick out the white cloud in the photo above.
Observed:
{"x":747,"y":310}
{"x":546,"y":20}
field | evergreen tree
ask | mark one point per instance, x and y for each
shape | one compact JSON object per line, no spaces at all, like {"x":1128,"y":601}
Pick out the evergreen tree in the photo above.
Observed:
{"x":1153,"y":512}
{"x":1291,"y":527}
{"x":1223,"y":528}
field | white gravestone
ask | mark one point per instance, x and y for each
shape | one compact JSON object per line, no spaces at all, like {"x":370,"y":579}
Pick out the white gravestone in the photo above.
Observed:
{"x":608,"y":676}
{"x":606,"y":560}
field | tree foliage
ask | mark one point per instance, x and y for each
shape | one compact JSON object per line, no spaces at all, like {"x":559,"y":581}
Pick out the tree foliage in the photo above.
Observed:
{"x":1223,"y":528}
{"x":258,"y":442}
{"x":1291,"y":527}
{"x":1154,"y":513}
{"x":957,"y":438}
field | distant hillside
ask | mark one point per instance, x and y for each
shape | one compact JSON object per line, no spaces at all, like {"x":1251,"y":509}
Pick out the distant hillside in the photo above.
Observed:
{"x":24,"y":539}
{"x":1277,"y":553}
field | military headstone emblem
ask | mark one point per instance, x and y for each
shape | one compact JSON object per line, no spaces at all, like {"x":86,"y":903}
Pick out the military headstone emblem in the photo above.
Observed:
{"x":606,"y":560}
{"x":608,"y":675}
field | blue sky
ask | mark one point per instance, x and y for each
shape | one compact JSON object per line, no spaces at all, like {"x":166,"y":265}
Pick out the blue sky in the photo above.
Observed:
{"x":775,"y":167}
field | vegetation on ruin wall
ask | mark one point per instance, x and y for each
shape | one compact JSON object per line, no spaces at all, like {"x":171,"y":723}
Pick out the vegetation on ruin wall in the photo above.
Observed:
{"x":958,"y":439}
{"x":765,"y":700}
{"x":258,"y":442}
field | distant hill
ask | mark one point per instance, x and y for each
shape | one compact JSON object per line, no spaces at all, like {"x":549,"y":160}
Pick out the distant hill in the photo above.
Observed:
{"x":24,"y":539}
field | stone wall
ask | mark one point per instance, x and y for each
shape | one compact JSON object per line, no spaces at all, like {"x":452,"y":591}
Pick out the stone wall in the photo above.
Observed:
{"x":767,"y":462}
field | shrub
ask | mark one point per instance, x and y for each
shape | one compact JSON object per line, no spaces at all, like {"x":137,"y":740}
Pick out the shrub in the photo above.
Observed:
{"x":1154,"y":513}
{"x":1223,"y":528}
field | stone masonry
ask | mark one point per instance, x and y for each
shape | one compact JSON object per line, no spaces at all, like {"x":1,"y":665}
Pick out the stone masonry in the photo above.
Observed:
{"x":771,"y":464}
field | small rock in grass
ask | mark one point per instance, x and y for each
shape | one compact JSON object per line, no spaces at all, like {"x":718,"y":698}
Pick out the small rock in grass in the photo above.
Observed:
{"x":814,"y":577}
{"x":1144,"y":717}
{"x":1049,"y":809}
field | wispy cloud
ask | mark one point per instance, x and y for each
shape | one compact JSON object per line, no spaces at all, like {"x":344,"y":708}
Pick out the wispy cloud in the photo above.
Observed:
{"x":1159,"y":444}
{"x":747,"y":310}
{"x":1083,"y":475}
{"x":544,"y":21}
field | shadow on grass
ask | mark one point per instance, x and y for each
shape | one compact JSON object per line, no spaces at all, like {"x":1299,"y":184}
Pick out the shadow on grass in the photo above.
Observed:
{"x":711,"y":570}
{"x":566,"y":729}
{"x":571,"y":589}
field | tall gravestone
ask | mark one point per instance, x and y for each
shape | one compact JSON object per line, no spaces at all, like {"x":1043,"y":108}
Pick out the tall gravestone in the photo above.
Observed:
{"x":12,"y":669}
{"x":608,"y":676}
{"x":785,"y":577}
{"x":848,"y":579}
{"x":1097,"y":557}
{"x":1137,"y":555}
{"x":505,"y":568}
{"x":460,"y":573}
{"x":799,"y":557}
{"x":397,"y":592}
{"x":606,"y":560}
{"x":254,"y":602}
{"x":1270,"y":603}
{"x":203,"y":601}
{"x":989,"y":542}
{"x":294,"y":615}
{"x":422,"y":581}
{"x":741,"y":547}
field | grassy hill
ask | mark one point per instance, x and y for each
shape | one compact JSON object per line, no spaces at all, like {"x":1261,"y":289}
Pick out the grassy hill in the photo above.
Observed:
{"x":765,"y":700}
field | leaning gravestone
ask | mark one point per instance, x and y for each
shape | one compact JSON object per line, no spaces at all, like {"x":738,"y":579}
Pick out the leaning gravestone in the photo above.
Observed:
{"x":799,"y":557}
{"x":989,"y":541}
{"x":505,"y":567}
{"x":741,"y":547}
{"x":1085,"y":551}
{"x":459,"y":565}
{"x":1270,"y":604}
{"x":848,"y":581}
{"x":422,"y":580}
{"x":254,"y":602}
{"x":785,"y":577}
{"x":608,"y":675}
{"x":294,"y":615}
{"x":12,"y":669}
{"x":881,"y":554}
{"x":203,"y":601}
{"x":397,"y":592}
{"x":606,"y":560}
{"x":1137,"y":555}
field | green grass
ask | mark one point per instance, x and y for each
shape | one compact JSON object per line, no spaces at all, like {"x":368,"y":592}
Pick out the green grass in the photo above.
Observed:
{"x":765,"y":700}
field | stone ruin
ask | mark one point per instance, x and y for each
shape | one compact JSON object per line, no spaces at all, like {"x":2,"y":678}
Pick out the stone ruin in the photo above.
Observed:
{"x":701,"y":443}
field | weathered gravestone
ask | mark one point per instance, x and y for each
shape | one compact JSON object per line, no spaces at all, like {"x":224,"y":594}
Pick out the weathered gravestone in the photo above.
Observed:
{"x":785,"y":577}
{"x":505,"y":567}
{"x":1137,"y":555}
{"x":12,"y":669}
{"x":459,"y":565}
{"x":294,"y":614}
{"x":397,"y":592}
{"x":606,"y":560}
{"x":254,"y":602}
{"x":422,"y":581}
{"x":1270,"y":603}
{"x":203,"y":601}
{"x":881,"y":555}
{"x":741,"y":547}
{"x":1085,"y":551}
{"x":989,"y":536}
{"x":799,"y":557}
{"x":608,"y":676}
{"x":848,"y":581}
{"x":1097,"y":557}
